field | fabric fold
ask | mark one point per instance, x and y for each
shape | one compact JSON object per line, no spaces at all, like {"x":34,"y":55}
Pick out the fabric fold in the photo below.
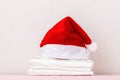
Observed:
{"x":38,"y":61}
{"x":59,"y":68}
{"x":58,"y":72}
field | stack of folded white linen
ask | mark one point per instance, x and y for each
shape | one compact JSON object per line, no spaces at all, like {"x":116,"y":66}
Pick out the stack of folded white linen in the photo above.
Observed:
{"x":47,"y":66}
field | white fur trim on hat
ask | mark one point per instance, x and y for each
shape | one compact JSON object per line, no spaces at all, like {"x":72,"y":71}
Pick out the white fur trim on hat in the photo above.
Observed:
{"x":64,"y":51}
{"x":92,"y":47}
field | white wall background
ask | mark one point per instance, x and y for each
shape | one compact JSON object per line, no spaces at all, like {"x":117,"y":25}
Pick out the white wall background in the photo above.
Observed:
{"x":23,"y":24}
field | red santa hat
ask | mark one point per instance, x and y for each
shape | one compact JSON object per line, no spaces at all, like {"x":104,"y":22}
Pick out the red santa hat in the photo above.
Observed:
{"x":68,"y":32}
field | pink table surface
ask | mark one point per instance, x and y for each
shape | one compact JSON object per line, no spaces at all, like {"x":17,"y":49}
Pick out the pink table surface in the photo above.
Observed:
{"x":26,"y":77}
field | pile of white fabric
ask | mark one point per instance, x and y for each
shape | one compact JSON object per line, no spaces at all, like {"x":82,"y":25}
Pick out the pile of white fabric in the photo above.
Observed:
{"x":47,"y":66}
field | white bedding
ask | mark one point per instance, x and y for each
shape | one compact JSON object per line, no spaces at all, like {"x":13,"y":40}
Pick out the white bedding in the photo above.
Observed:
{"x":40,"y":61}
{"x":57,"y":72}
{"x":59,"y":68}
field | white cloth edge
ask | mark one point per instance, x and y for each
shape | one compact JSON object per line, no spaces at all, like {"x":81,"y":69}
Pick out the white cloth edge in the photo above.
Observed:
{"x":57,"y":72}
{"x":59,"y":68}
{"x":36,"y":61}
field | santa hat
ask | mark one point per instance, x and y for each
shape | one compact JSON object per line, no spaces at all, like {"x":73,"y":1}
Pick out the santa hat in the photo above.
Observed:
{"x":67,"y":33}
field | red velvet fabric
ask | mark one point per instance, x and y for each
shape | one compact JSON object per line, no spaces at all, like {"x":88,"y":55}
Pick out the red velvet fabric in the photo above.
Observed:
{"x":66,"y":32}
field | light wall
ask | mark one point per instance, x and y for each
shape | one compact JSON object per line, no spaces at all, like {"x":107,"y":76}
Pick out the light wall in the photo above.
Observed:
{"x":23,"y":23}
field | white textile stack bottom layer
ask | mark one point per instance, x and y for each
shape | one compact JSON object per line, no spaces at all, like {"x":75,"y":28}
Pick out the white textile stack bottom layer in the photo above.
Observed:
{"x":47,"y":66}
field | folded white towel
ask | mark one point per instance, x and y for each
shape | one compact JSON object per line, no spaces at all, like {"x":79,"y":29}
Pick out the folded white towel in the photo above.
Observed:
{"x":57,"y":72}
{"x":59,"y":68}
{"x":38,"y":61}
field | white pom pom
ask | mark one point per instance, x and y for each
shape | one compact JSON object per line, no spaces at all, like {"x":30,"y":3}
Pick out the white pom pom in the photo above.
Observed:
{"x":92,"y":47}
